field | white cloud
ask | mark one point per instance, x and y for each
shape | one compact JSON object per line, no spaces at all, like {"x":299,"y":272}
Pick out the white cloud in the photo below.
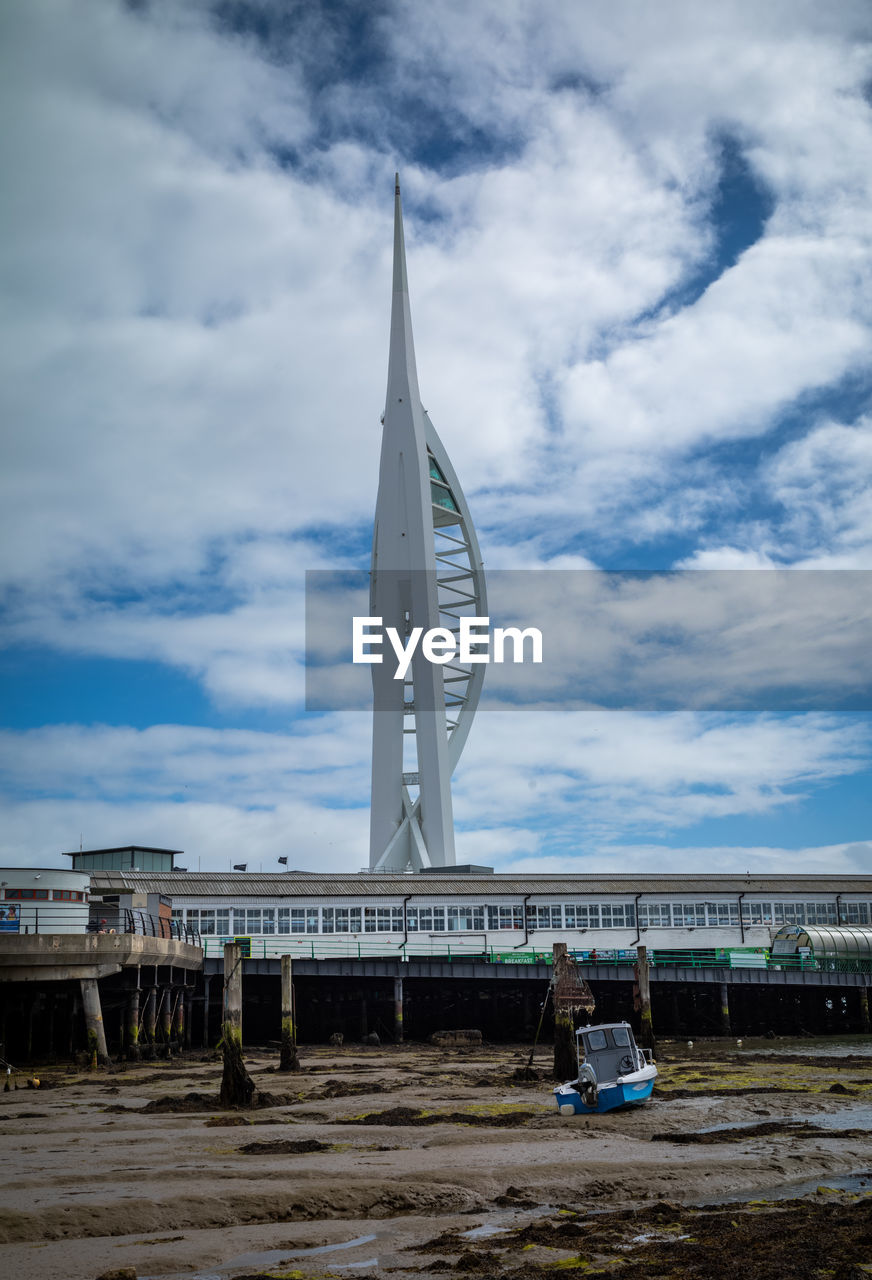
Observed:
{"x":560,"y":786}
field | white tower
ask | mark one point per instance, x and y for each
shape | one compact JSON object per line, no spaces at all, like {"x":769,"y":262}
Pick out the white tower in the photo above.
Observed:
{"x":426,"y":572}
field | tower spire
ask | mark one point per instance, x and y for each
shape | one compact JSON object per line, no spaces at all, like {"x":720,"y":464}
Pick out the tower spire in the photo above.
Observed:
{"x":418,"y":729}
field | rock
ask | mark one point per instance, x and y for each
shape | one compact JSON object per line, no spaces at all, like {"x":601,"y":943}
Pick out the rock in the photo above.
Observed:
{"x":372,"y":1039}
{"x":337,"y":1038}
{"x":118,"y":1273}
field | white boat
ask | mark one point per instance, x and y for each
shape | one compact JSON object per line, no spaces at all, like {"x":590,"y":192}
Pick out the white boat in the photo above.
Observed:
{"x":612,"y":1071}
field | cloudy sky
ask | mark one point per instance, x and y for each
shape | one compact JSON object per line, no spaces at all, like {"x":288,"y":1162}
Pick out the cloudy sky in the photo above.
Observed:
{"x":639,"y":254}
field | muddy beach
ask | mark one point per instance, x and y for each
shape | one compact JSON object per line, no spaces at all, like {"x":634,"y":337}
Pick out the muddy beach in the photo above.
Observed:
{"x":407,"y":1161}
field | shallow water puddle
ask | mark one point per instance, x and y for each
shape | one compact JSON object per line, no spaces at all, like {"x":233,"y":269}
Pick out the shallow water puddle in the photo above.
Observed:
{"x":860,"y":1181}
{"x":846,"y":1118}
{"x":267,"y":1257}
{"x":486,"y":1230}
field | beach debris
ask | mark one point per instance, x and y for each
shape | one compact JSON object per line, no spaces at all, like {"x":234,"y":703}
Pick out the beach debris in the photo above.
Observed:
{"x":456,"y":1039}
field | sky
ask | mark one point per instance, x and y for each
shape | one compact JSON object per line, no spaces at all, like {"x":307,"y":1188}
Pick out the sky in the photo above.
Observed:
{"x":638,"y":242}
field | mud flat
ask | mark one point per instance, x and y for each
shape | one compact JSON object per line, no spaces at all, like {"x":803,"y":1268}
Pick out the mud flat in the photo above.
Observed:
{"x":413,"y":1161}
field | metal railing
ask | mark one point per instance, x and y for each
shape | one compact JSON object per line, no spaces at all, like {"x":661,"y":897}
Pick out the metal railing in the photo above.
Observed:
{"x":320,"y":948}
{"x":27,"y":918}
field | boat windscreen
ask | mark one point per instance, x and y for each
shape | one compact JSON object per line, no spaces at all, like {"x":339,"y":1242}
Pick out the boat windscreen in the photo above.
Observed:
{"x":621,"y":1035}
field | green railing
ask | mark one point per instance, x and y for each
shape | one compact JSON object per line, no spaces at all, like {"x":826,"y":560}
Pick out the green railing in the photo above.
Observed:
{"x":321,"y":948}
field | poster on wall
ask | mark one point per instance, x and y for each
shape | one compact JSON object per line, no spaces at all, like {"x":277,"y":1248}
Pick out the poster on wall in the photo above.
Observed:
{"x":9,"y":919}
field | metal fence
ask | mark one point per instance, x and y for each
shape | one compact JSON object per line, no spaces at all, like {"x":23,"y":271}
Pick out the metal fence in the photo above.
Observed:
{"x":27,"y":918}
{"x":320,"y":948}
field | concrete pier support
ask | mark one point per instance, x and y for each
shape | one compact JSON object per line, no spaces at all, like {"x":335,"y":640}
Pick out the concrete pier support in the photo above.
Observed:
{"x":165,"y":1016}
{"x":288,"y":1060}
{"x":94,"y":1022}
{"x":132,"y":1024}
{"x":149,"y":1025}
{"x":643,"y":979}
{"x":398,"y":1010}
{"x":189,"y":1010}
{"x":178,"y":1017}
{"x":863,"y":995}
{"x":207,"y":982}
{"x":726,"y":1028}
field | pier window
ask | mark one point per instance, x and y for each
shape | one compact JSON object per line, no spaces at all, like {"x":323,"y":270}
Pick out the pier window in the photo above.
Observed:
{"x":789,"y":913}
{"x":505,"y":917}
{"x":545,"y":917}
{"x":383,"y":919}
{"x":67,"y":895}
{"x":688,"y":914}
{"x":461,"y":918}
{"x":820,"y":913}
{"x":582,"y":915}
{"x":327,"y":914}
{"x":655,"y":915}
{"x":19,"y":895}
{"x":426,"y":919}
{"x":347,"y":920}
{"x":239,"y":920}
{"x":268,"y":920}
{"x":757,"y":913}
{"x":617,"y":915}
{"x":252,"y":920}
{"x":192,"y":917}
{"x":284,"y":920}
{"x":726,"y":914}
{"x":854,"y":913}
{"x":207,"y":921}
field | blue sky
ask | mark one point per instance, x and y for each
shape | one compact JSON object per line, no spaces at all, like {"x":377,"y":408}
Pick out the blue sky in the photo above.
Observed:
{"x":639,"y":255}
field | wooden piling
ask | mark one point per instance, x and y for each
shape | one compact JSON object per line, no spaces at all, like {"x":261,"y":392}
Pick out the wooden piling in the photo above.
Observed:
{"x":237,"y":1086}
{"x":565,"y":1059}
{"x":643,"y":980}
{"x":289,"y":1061}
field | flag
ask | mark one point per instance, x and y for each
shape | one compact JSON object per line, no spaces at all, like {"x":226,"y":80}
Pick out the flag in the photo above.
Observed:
{"x":283,"y":861}
{"x":239,"y":866}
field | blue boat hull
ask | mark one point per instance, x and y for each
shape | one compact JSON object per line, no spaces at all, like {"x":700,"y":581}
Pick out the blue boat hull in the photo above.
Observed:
{"x":608,"y":1099}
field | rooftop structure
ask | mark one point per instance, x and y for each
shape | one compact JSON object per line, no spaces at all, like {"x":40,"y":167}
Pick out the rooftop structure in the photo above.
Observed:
{"x":129,"y":857}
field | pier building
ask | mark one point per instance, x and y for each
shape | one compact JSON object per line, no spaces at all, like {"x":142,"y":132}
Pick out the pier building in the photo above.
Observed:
{"x":475,"y":912}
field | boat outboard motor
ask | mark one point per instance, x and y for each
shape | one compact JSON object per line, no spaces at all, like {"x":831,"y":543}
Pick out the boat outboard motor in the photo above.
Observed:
{"x":587,"y":1085}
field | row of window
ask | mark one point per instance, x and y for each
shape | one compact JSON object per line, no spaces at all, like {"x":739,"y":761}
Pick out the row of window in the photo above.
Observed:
{"x":484,"y":917}
{"x":42,"y":895}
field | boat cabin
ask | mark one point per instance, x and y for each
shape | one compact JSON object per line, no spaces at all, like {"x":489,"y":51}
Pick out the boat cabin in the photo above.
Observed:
{"x":609,"y":1049}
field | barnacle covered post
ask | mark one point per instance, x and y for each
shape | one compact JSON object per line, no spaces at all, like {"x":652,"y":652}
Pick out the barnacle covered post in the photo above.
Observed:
{"x":288,"y":1060}
{"x":237,"y":1086}
{"x":572,"y":995}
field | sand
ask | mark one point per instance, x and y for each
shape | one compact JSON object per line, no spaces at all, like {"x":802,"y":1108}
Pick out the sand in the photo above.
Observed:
{"x":381,"y":1162}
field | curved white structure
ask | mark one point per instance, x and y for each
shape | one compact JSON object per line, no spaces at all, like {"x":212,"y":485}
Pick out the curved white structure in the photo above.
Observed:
{"x":426,"y":572}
